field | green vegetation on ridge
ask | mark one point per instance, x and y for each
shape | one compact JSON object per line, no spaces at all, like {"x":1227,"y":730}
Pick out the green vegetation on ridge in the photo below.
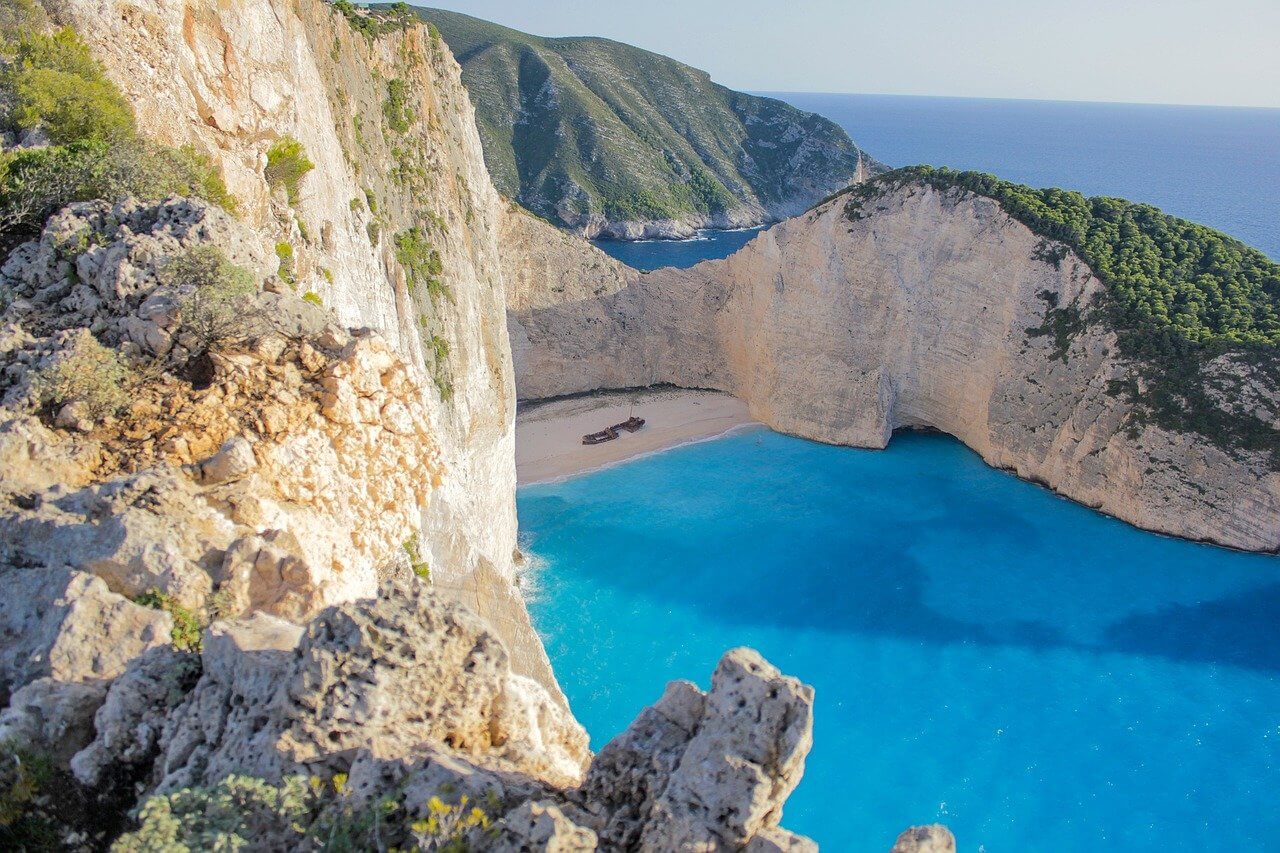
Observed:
{"x":575,"y":127}
{"x":1177,"y":294}
{"x":49,"y":84}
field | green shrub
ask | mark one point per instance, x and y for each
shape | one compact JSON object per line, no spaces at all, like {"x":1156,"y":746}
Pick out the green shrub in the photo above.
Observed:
{"x":88,"y":374}
{"x":215,"y":290}
{"x":244,"y":812}
{"x":187,"y":627}
{"x":21,"y":16}
{"x":422,"y":264}
{"x":313,"y":297}
{"x":439,"y":348}
{"x":26,"y":807}
{"x":418,"y":565}
{"x":372,"y":23}
{"x":240,"y":812}
{"x":53,"y":83}
{"x":287,"y":165}
{"x":284,"y":251}
{"x":396,"y":107}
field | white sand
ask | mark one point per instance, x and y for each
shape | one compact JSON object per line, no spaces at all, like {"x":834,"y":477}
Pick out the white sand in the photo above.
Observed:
{"x":549,"y":435}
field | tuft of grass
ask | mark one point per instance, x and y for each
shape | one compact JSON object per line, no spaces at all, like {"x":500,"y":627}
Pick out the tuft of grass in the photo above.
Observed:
{"x":187,"y":627}
{"x":284,"y":251}
{"x":416,"y":563}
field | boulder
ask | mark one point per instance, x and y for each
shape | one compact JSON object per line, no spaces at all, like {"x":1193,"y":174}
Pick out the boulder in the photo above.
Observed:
{"x":126,"y":729}
{"x":707,"y":772}
{"x":541,"y":826}
{"x":53,"y":717}
{"x":933,"y":838}
{"x":233,"y":460}
{"x":66,"y":625}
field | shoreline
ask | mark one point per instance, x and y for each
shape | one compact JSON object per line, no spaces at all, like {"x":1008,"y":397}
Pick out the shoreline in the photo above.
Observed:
{"x":549,"y":434}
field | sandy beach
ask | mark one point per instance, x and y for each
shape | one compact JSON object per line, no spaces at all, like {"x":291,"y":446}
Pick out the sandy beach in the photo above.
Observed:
{"x":549,"y":435}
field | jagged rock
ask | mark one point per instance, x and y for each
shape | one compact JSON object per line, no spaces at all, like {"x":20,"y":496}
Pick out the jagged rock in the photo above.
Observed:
{"x":34,"y":458}
{"x":56,"y":717}
{"x":702,"y":772}
{"x":227,"y":723}
{"x":541,"y":826}
{"x":933,"y":838}
{"x":117,"y":249}
{"x":148,"y":531}
{"x":391,"y":674}
{"x":233,"y":460}
{"x":775,"y":839}
{"x":126,"y":729}
{"x":68,"y":626}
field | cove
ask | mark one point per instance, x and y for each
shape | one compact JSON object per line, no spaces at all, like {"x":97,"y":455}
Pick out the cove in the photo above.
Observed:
{"x":985,"y":654}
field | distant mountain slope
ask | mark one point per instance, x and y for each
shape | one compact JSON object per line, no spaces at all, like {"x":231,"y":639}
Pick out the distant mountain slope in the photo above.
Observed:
{"x":612,"y":140}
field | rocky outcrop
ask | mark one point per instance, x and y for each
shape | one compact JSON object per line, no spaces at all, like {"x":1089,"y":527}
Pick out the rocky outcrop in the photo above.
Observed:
{"x":411,"y":698}
{"x":707,"y":771}
{"x":933,"y":838}
{"x":66,"y":625}
{"x":930,"y":310}
{"x":384,"y":674}
{"x":300,"y":462}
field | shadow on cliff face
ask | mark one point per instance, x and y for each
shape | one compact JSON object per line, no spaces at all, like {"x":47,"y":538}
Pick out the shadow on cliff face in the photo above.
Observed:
{"x":960,"y":567}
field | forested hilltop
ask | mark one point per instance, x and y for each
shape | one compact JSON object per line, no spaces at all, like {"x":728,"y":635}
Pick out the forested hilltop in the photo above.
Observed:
{"x":609,"y":139}
{"x":1180,"y":297}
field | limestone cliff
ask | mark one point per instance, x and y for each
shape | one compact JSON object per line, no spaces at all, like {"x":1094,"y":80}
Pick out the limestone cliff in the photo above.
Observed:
{"x":399,"y":180}
{"x":929,"y":310}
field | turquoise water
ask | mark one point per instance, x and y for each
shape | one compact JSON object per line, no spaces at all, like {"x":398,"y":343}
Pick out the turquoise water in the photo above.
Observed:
{"x":1036,"y":675}
{"x":1219,"y":166}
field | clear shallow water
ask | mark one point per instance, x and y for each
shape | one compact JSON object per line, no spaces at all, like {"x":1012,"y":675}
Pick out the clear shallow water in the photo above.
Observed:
{"x":1036,"y":675}
{"x":1218,"y":166}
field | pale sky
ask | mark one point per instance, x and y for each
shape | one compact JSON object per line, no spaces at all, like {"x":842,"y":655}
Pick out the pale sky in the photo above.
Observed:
{"x":1147,"y":51}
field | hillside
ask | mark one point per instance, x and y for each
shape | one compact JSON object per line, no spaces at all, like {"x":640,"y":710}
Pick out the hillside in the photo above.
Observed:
{"x":611,"y":140}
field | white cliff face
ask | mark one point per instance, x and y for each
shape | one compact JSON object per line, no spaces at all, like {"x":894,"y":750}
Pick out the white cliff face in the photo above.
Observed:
{"x":230,"y":84}
{"x":916,"y":315}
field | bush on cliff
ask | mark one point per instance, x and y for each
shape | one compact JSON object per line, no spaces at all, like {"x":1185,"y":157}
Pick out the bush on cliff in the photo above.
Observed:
{"x":87,"y":374}
{"x":51,"y":83}
{"x":421,"y":262}
{"x":287,"y":165}
{"x":213,"y":309}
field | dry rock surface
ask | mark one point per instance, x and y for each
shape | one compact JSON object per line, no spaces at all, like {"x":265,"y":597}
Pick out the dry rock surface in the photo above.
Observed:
{"x":929,"y":309}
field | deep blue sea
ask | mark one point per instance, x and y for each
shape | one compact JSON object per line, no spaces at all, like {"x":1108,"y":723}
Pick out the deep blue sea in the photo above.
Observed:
{"x":1219,"y":166}
{"x":986,"y":654}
